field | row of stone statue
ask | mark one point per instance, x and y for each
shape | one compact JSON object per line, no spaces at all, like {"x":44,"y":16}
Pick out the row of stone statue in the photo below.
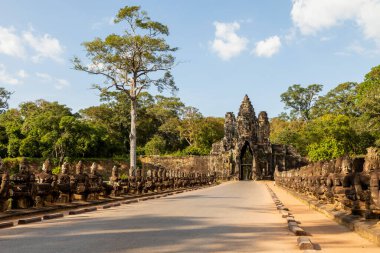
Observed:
{"x":26,"y":189}
{"x":348,"y":183}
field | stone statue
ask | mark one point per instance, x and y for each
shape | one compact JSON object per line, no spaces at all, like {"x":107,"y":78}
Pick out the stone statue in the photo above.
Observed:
{"x":95,"y":182}
{"x":149,"y":182}
{"x":246,"y":121}
{"x":115,"y":182}
{"x":229,"y":131}
{"x":23,"y":187}
{"x":4,"y":188}
{"x":264,"y":128}
{"x":372,"y":168}
{"x":46,"y":185}
{"x":64,"y":185}
{"x":81,"y":183}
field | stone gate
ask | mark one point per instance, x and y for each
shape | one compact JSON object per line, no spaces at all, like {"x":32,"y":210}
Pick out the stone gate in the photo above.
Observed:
{"x":245,"y":152}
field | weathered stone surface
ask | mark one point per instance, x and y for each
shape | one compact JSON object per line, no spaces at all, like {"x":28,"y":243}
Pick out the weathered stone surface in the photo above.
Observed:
{"x":53,"y":216}
{"x":90,"y":209}
{"x":6,"y":224}
{"x":347,"y":183}
{"x":29,"y":220}
{"x":290,"y":219}
{"x":304,"y":243}
{"x":130,"y":201}
{"x":75,"y":212}
{"x":297,"y":230}
{"x":284,"y":214}
{"x":108,"y":206}
{"x":245,"y":152}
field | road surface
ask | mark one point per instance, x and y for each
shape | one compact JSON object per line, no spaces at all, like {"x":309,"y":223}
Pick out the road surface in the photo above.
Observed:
{"x":232,"y":217}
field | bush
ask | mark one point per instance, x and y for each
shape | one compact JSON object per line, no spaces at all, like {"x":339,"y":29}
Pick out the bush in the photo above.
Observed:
{"x":156,"y":146}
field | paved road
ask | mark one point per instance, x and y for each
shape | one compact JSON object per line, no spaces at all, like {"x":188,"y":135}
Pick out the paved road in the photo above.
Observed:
{"x":232,"y":217}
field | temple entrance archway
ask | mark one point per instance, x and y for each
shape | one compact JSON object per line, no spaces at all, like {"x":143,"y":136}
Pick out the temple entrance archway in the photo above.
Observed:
{"x":246,"y":162}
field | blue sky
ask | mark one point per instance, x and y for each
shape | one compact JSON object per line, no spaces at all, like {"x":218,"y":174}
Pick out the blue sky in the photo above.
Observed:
{"x":226,"y":48}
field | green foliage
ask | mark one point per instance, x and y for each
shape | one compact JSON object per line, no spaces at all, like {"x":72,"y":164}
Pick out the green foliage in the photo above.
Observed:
{"x":193,"y":150}
{"x":300,"y":100}
{"x":4,"y":96}
{"x":345,"y":121}
{"x":330,"y":136}
{"x":56,"y":170}
{"x":132,"y":62}
{"x":124,"y":176}
{"x":156,"y":146}
{"x":340,"y":100}
{"x":289,"y":133}
{"x":325,"y":150}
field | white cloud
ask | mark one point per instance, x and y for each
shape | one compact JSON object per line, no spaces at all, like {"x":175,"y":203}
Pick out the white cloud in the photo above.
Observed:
{"x":312,"y":16}
{"x":268,"y":47}
{"x":59,"y":83}
{"x":44,"y":77}
{"x":105,"y":21}
{"x":22,"y":73}
{"x":6,"y":78}
{"x":10,"y":43}
{"x":45,"y":46}
{"x":227,"y":43}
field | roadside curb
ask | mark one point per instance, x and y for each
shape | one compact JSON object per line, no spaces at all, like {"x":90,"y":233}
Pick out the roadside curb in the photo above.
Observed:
{"x":6,"y":224}
{"x":29,"y":220}
{"x":303,"y":242}
{"x":368,"y":229}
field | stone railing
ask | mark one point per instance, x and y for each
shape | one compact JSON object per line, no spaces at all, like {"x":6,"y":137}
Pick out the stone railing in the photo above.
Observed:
{"x":26,"y":189}
{"x":347,"y":183}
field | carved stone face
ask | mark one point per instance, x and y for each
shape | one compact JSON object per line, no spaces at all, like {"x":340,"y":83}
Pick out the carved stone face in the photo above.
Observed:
{"x":94,"y":168}
{"x":65,"y":168}
{"x":325,"y":169}
{"x":263,"y":118}
{"x":79,"y":168}
{"x":346,"y":166}
{"x":23,"y":168}
{"x":115,"y":171}
{"x":46,"y":166}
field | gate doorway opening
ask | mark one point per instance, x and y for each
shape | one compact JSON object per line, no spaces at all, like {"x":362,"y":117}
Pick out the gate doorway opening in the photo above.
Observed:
{"x":246,"y":163}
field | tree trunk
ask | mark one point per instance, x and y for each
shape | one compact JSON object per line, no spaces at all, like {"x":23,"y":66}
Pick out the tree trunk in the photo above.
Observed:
{"x":132,"y":137}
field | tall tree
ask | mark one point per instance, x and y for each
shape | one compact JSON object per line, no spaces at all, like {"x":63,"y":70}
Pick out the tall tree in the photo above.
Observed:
{"x":131,"y":62}
{"x":300,"y":100}
{"x":340,"y":100}
{"x":368,"y":101}
{"x":4,"y":96}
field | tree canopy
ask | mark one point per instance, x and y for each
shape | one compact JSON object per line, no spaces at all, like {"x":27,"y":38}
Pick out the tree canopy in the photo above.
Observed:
{"x":300,"y":100}
{"x":344,"y":121}
{"x":4,"y":97}
{"x":132,"y":62}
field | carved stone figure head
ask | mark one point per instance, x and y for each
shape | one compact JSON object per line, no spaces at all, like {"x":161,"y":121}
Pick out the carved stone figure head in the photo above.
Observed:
{"x":372,"y":160}
{"x":346,"y":165}
{"x":263,"y":118}
{"x":23,"y":167}
{"x":46,"y":166}
{"x":79,"y":168}
{"x":115,"y":171}
{"x":65,"y":168}
{"x":94,"y":168}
